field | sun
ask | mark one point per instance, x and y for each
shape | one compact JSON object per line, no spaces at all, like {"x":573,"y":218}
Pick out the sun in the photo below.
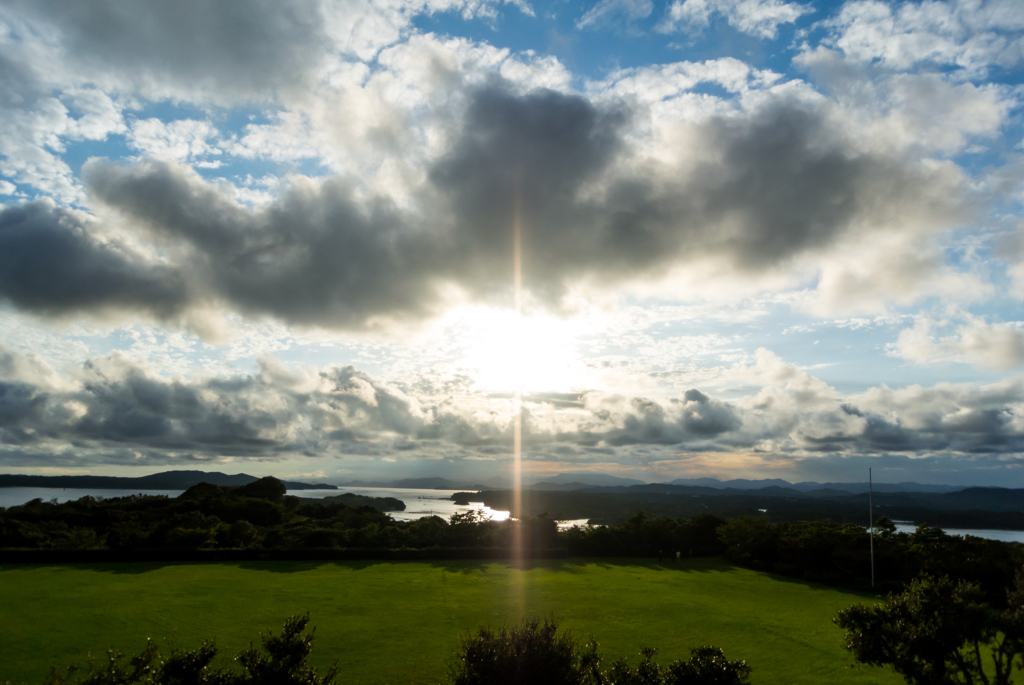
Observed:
{"x":505,"y":351}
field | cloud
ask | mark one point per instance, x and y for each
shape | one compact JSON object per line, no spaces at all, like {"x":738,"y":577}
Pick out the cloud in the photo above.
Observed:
{"x":925,"y":111}
{"x":970,"y":35}
{"x":605,"y":11}
{"x":42,"y":108}
{"x":797,"y":414}
{"x":68,"y":73}
{"x":655,"y":83}
{"x":227,"y":52}
{"x":51,"y":263}
{"x":751,"y":192}
{"x":628,"y":421}
{"x":120,"y":403}
{"x":35,"y":126}
{"x":998,"y":347}
{"x":116,"y":410}
{"x":759,"y":18}
{"x":180,"y":140}
{"x":316,"y":256}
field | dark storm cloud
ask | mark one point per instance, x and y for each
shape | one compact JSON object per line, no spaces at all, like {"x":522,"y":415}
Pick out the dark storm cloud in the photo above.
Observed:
{"x":696,"y":417}
{"x":50,"y":263}
{"x":115,"y":405}
{"x":963,"y":421}
{"x":771,"y":185}
{"x":118,"y":403}
{"x":785,"y":183}
{"x":942,"y":468}
{"x":535,"y":150}
{"x":774,"y":185}
{"x":316,"y":256}
{"x":703,"y":416}
{"x":226,"y":48}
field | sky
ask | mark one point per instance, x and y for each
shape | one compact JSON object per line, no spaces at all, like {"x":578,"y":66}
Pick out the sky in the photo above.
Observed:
{"x":757,"y":238}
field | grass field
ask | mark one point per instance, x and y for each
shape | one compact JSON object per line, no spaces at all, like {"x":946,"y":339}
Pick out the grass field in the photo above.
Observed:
{"x":398,"y":622}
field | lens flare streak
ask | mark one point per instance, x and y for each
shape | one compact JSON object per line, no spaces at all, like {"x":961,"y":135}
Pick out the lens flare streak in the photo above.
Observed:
{"x":517,"y":402}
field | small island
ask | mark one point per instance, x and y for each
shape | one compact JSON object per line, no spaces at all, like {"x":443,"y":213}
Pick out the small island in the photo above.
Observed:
{"x":350,"y":499}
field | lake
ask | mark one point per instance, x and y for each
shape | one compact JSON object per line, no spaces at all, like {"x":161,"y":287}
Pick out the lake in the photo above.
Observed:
{"x":418,"y":503}
{"x":1001,"y":535}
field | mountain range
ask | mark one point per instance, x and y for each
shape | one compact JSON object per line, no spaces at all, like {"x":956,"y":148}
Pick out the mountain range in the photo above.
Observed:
{"x":561,"y":482}
{"x":168,"y":480}
{"x":587,"y":481}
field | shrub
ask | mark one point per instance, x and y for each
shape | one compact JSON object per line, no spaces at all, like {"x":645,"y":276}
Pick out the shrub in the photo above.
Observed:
{"x":937,"y":631}
{"x":282,"y":661}
{"x":706,"y":666}
{"x":534,"y":653}
{"x":531,"y":652}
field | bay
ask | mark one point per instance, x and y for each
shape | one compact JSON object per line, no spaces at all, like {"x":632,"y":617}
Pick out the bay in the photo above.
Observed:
{"x":418,"y":503}
{"x":1000,"y":535}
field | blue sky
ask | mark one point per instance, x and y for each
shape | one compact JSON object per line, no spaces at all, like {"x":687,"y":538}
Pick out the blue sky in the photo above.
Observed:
{"x":759,"y":238}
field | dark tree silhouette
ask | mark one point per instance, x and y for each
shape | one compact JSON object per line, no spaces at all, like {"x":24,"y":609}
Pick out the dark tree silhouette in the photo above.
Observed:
{"x":535,"y":653}
{"x":937,"y":631}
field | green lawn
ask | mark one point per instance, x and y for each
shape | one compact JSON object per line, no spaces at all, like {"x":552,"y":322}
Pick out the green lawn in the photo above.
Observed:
{"x":398,"y":622}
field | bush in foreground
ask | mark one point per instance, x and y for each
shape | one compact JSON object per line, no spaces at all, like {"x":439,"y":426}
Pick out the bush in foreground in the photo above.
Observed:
{"x":281,"y":661}
{"x":535,"y":653}
{"x":938,"y":631}
{"x":531,"y":653}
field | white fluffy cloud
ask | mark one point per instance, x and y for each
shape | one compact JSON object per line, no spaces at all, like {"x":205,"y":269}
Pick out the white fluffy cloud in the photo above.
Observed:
{"x":115,"y":409}
{"x":605,"y":11}
{"x":760,"y":18}
{"x":970,"y":34}
{"x":182,"y":140}
{"x":998,"y":347}
{"x":931,"y":113}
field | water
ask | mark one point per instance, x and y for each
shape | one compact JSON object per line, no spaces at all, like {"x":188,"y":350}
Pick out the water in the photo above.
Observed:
{"x":12,"y":497}
{"x":1000,"y":535}
{"x":418,"y":503}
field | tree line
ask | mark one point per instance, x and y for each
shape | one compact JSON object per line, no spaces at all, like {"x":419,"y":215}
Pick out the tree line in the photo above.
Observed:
{"x":260,"y":516}
{"x":256,"y":516}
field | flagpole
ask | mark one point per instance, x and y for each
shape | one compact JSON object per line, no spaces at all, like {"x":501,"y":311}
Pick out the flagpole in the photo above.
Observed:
{"x":871,"y":526}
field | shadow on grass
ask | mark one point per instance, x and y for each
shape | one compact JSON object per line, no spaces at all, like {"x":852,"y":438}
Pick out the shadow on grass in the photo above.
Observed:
{"x":465,"y":566}
{"x":118,"y":567}
{"x":572,"y":565}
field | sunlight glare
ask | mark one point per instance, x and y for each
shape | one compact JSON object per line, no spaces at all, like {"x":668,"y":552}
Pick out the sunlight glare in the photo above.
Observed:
{"x":505,"y":352}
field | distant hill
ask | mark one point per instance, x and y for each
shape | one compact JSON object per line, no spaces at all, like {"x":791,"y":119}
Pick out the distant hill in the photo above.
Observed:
{"x":558,"y":487}
{"x":557,"y":482}
{"x":744,"y":484}
{"x":963,"y":499}
{"x":168,"y":480}
{"x":738,"y":483}
{"x":576,"y":481}
{"x":416,"y":484}
{"x":561,"y":482}
{"x":352,"y":500}
{"x":584,"y":478}
{"x":995,"y":508}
